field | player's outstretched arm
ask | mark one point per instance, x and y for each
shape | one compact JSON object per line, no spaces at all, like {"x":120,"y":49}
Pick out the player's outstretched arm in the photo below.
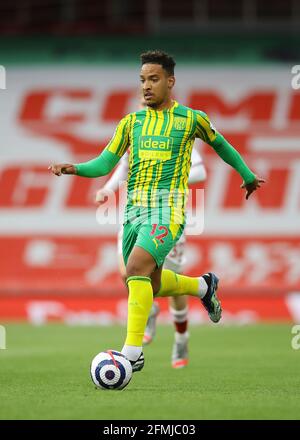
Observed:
{"x":231,"y":156}
{"x":108,"y":159}
{"x":62,"y":168}
{"x":100,"y":166}
{"x":251,"y":187}
{"x":207,"y":132}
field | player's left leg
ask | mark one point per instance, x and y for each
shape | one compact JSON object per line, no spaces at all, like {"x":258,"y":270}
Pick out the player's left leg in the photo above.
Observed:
{"x":172,"y":284}
{"x":204,"y":287}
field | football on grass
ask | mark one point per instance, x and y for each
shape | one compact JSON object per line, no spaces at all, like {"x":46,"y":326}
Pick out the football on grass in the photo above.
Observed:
{"x":111,"y":370}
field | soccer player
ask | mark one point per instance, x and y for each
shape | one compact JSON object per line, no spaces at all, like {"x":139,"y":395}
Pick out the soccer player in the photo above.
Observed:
{"x":178,"y":305}
{"x":161,"y":139}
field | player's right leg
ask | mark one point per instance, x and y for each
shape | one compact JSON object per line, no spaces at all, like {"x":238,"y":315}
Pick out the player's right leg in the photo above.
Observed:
{"x":139,"y":267}
{"x":151,"y":323}
{"x":145,"y":247}
{"x":137,"y":365}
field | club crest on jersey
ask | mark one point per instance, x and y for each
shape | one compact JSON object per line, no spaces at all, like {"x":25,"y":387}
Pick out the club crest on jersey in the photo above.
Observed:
{"x":179,"y":123}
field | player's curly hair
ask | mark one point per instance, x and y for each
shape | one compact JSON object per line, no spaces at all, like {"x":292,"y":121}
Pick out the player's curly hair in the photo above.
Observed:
{"x":159,"y":57}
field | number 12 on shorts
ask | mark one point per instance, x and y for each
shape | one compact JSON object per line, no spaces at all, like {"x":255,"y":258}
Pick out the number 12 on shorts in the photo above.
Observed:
{"x":159,"y":237}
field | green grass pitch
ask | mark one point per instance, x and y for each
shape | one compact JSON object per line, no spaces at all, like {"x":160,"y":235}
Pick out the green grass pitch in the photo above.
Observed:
{"x":248,"y":372}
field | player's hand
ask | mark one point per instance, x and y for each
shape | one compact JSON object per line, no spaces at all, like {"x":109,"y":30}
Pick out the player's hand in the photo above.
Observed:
{"x":62,"y":168}
{"x":251,"y":187}
{"x":101,"y":194}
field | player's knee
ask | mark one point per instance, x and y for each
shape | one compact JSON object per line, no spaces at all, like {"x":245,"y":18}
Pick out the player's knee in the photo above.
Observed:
{"x":136,"y":268}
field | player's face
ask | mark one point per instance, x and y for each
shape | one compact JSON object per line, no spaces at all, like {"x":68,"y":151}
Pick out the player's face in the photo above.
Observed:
{"x":156,"y":85}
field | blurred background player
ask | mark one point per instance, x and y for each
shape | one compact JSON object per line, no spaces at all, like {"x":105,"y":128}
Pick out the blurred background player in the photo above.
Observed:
{"x":175,"y":260}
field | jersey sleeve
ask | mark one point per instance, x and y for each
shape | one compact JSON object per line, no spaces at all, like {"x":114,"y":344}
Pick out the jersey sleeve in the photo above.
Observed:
{"x":110,"y":156}
{"x":119,"y":175}
{"x":204,"y":128}
{"x":207,"y":132}
{"x":121,"y":139}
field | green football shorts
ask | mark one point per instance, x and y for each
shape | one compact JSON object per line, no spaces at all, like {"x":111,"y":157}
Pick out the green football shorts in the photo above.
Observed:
{"x":157,"y":239}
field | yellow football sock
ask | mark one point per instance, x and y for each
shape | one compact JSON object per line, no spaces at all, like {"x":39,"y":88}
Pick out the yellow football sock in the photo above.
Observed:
{"x":139,"y":305}
{"x":173,"y":284}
